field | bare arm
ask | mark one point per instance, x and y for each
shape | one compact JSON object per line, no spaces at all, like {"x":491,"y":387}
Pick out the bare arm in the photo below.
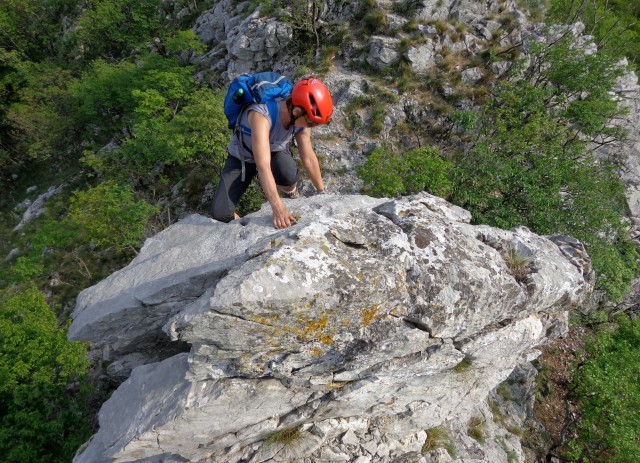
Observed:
{"x":309,"y":158}
{"x":260,"y":126}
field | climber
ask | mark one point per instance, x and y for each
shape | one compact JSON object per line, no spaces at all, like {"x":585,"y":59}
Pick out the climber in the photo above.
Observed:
{"x":265,"y":151}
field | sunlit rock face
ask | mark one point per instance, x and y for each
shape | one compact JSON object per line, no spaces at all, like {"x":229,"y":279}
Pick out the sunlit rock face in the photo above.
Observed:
{"x":363,"y":325}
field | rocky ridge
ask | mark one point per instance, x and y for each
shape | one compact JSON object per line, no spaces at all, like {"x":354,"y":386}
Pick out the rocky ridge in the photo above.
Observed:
{"x":361,"y":328}
{"x":162,"y":328}
{"x":243,"y":40}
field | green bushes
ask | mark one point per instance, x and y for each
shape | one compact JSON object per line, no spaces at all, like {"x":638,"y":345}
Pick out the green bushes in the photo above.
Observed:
{"x":159,"y":112}
{"x":109,"y":215}
{"x":110,"y":28}
{"x":531,"y":164}
{"x":388,"y":174}
{"x":33,"y":28}
{"x":607,"y":388}
{"x":56,"y":112}
{"x":614,"y":23}
{"x":43,"y":411}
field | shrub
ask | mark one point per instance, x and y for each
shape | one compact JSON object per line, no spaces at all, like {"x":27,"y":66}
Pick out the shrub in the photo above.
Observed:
{"x":41,"y":417}
{"x":196,"y":133}
{"x":375,"y":21}
{"x":110,"y":28}
{"x":517,"y":263}
{"x":109,"y":215}
{"x":531,"y":166}
{"x":463,"y":365}
{"x":26,"y":268}
{"x":156,"y":112}
{"x":34,"y":28}
{"x":608,"y":392}
{"x":613,"y":23}
{"x":387,"y":174}
{"x":38,"y":106}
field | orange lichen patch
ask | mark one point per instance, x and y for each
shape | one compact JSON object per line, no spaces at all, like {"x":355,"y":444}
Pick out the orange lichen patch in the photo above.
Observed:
{"x":369,"y":314}
{"x":332,"y":385}
{"x":270,"y":321}
{"x":312,"y":329}
{"x":316,"y":351}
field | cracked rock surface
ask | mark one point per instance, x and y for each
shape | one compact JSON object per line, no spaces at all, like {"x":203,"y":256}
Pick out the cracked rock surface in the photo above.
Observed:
{"x":362,"y":326}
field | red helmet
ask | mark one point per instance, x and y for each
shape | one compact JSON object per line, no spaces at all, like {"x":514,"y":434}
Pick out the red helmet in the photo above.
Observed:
{"x":314,"y":97}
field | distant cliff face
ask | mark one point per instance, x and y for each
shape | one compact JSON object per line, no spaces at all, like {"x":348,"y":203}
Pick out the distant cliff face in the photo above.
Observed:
{"x":365,"y":324}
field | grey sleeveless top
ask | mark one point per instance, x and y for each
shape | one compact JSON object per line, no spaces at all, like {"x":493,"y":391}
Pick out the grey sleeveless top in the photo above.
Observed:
{"x":280,"y":138}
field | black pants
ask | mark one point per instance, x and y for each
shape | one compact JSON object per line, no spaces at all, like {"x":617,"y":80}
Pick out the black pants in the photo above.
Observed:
{"x":231,"y":187}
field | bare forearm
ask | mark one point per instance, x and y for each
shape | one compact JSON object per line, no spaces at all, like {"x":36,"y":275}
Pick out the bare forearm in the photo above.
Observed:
{"x":312,"y":167}
{"x":269,"y":188}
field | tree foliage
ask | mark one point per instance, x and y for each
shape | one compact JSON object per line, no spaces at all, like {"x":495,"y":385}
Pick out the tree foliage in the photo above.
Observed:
{"x":41,"y":418}
{"x":112,"y":28}
{"x":156,"y":110}
{"x":41,"y":117}
{"x":614,"y":23}
{"x":388,"y":174}
{"x":35,"y":28}
{"x":109,"y":215}
{"x":532,"y":165}
{"x":608,"y":390}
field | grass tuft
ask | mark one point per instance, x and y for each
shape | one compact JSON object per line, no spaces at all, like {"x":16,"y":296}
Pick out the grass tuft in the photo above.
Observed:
{"x":463,"y":365}
{"x":286,"y":437}
{"x":439,"y":437}
{"x":517,"y":263}
{"x":476,"y":428}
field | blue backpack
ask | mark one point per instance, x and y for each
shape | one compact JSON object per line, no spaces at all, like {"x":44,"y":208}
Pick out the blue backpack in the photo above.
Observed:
{"x":262,"y":87}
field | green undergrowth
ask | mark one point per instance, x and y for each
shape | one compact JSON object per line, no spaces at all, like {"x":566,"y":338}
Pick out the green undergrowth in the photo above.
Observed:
{"x":44,"y":394}
{"x":389,"y":174}
{"x":285,"y":437}
{"x":607,"y":390}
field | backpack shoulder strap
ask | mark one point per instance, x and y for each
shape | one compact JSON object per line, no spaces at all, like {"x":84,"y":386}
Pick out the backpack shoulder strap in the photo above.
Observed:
{"x":273,"y":107}
{"x":274,"y":112}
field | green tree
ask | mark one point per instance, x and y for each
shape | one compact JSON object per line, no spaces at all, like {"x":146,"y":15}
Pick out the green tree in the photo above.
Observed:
{"x":531,"y":165}
{"x":109,"y":215}
{"x":35,"y":28}
{"x":614,"y":23}
{"x":607,"y":388}
{"x":43,"y":408}
{"x":105,"y":101}
{"x":155,"y":110}
{"x":113,"y":28}
{"x":188,"y":125}
{"x":388,"y":174}
{"x":41,"y":117}
{"x":36,"y":116}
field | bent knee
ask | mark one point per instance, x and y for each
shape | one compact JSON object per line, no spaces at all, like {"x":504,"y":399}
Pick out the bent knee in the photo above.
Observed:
{"x":222,"y":214}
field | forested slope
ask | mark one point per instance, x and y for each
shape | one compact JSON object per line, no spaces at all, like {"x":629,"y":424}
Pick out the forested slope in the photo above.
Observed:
{"x":109,"y":102}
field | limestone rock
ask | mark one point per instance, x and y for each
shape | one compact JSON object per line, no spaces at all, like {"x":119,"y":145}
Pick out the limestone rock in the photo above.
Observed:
{"x":35,"y":208}
{"x":421,"y":57}
{"x":361,"y":326}
{"x":471,"y":76}
{"x":383,"y":52}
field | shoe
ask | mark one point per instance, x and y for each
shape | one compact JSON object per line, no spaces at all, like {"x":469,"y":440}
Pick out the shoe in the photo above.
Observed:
{"x":290,"y":194}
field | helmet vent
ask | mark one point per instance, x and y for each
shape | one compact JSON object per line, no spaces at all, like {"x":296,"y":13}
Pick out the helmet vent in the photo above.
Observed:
{"x":314,"y":107}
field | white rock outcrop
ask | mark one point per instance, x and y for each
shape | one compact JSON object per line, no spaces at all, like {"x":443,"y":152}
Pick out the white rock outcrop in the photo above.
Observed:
{"x":362,"y":326}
